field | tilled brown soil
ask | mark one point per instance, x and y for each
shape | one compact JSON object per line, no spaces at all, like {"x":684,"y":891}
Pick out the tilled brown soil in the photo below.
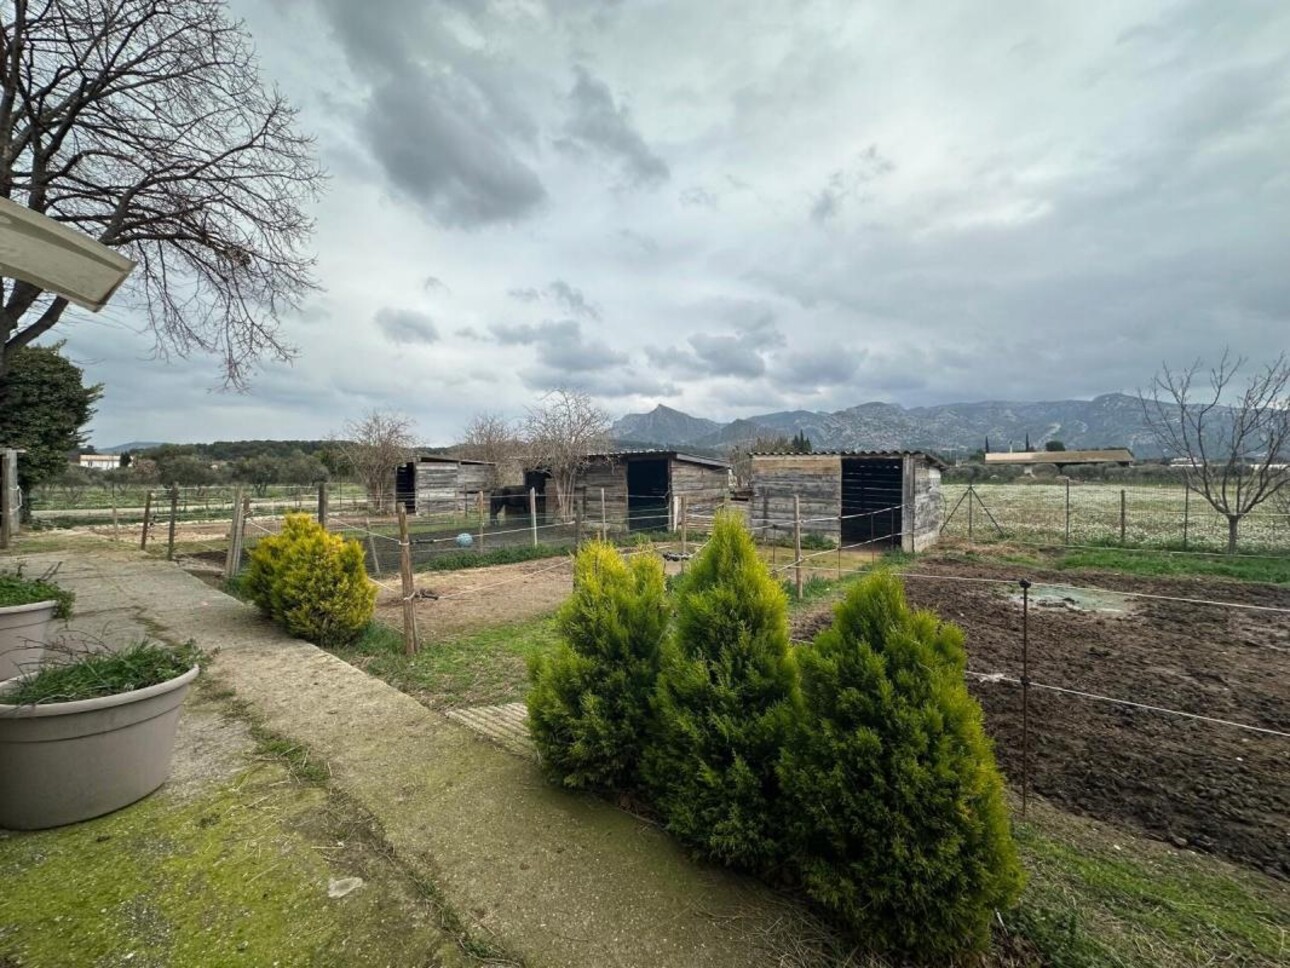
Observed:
{"x":1212,"y":787}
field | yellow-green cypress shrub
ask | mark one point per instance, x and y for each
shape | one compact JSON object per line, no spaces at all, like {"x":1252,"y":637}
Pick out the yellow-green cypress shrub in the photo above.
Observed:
{"x":589,"y":705}
{"x":312,"y":582}
{"x":726,"y":702}
{"x":896,"y":812}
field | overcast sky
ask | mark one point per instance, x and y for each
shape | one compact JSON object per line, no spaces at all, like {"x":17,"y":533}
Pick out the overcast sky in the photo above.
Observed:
{"x":737,"y":207}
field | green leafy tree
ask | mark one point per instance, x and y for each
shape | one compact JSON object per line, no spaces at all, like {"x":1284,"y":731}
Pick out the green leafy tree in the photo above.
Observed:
{"x":260,"y":472}
{"x":589,"y":706}
{"x":727,"y":696}
{"x":896,"y":808}
{"x":186,"y":470}
{"x":47,"y":405}
{"x":1054,"y":446}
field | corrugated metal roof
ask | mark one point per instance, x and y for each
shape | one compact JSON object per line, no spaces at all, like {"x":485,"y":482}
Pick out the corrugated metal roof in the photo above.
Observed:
{"x":660,"y":453}
{"x":877,"y":454}
{"x":445,"y":459}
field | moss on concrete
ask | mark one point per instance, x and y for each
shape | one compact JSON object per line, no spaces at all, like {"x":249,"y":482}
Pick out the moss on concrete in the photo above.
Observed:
{"x":237,"y":874}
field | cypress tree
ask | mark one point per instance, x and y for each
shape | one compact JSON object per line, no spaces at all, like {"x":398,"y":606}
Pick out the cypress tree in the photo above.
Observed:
{"x":589,"y":705}
{"x":897,"y":815}
{"x":727,"y":697}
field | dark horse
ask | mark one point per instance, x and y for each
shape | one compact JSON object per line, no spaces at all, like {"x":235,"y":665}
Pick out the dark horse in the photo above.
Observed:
{"x":512,"y":498}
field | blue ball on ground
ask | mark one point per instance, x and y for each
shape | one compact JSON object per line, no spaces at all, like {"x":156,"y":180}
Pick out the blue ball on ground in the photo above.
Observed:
{"x":464,"y":540}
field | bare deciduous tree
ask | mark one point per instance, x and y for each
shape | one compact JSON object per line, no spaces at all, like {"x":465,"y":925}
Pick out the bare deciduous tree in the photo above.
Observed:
{"x":145,"y":125}
{"x":1234,"y":454}
{"x":560,"y":432}
{"x":374,"y":446}
{"x":491,"y":437}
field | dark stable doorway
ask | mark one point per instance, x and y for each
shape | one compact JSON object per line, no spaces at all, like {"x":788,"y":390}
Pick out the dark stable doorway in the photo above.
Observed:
{"x":647,"y":494}
{"x":872,"y":489}
{"x":405,"y":486}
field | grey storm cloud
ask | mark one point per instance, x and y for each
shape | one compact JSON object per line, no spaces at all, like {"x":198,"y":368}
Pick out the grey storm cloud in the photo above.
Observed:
{"x":847,"y":183}
{"x":567,"y":298}
{"x":740,"y":353}
{"x":598,"y":126}
{"x":561,"y":345}
{"x":439,"y":143}
{"x":440,"y":119}
{"x":824,"y":366}
{"x":406,"y":326}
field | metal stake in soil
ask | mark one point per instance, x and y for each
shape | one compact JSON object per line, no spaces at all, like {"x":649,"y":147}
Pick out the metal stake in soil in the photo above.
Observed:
{"x":1025,"y":694}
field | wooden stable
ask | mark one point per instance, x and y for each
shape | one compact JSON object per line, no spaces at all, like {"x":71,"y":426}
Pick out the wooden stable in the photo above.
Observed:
{"x":882,"y":498}
{"x":434,"y":484}
{"x":641,"y":489}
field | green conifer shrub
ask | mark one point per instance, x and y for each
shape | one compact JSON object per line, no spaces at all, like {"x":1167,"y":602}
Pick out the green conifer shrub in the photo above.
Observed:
{"x":589,"y":705}
{"x":727,"y":697}
{"x":896,"y":810}
{"x":311,"y":582}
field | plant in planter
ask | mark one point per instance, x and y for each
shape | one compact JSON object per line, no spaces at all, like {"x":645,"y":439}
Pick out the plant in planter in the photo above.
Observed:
{"x":91,"y":735}
{"x":28,"y":607}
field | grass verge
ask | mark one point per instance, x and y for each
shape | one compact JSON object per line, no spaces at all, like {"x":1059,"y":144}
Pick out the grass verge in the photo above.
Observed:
{"x":482,"y":667}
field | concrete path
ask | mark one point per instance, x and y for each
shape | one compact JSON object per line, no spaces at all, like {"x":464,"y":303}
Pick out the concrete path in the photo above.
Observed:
{"x":559,"y":879}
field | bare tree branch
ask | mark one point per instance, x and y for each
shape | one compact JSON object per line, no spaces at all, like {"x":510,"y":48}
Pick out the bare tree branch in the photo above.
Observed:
{"x":374,"y":446}
{"x":146,"y":126}
{"x":561,"y":432}
{"x":1233,"y":455}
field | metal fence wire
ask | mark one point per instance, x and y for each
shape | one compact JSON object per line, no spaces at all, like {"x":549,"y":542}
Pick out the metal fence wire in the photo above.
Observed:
{"x":1078,"y":513}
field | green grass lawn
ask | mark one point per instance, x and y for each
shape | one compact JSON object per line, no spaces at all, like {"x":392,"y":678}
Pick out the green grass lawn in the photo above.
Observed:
{"x":1270,"y":569}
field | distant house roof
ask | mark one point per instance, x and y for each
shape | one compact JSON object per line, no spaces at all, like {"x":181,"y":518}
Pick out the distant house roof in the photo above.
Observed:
{"x":875,"y":454}
{"x":1115,"y":455}
{"x":445,"y":459}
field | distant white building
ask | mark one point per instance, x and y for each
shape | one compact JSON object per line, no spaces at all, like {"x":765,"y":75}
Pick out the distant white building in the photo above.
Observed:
{"x":99,"y":462}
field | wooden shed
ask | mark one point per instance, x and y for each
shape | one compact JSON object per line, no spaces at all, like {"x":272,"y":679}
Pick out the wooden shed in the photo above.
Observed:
{"x":641,"y":487}
{"x":436,"y":484}
{"x":884,"y":498}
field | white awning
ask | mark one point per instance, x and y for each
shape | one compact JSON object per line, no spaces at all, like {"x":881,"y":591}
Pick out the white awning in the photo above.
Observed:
{"x":36,"y":249}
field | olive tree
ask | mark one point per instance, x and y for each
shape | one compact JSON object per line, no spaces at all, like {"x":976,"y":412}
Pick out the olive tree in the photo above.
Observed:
{"x":1234,"y":442}
{"x":147,"y":127}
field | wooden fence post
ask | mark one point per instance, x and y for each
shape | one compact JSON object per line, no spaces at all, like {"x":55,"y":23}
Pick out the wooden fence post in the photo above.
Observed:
{"x":577,"y":518}
{"x":371,"y":544}
{"x":533,"y":513}
{"x":1123,"y":502}
{"x":839,"y":547}
{"x":1186,"y":514}
{"x":797,"y":544}
{"x":116,"y":526}
{"x":405,"y":570}
{"x":1068,"y":510}
{"x":971,"y":495}
{"x":147,"y":520}
{"x":685,"y":524}
{"x":322,"y":503}
{"x":604,"y":521}
{"x":233,"y":560}
{"x":482,"y":520}
{"x":174,"y":514}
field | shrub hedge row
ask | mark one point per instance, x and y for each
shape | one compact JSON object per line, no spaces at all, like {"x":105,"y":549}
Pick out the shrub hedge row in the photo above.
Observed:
{"x":857,"y":765}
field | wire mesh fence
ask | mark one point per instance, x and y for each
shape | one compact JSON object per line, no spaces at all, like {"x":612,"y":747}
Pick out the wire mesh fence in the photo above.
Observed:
{"x":1164,"y":517}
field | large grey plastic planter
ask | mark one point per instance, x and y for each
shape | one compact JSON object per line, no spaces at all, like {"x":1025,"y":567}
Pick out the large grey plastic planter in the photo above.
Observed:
{"x":69,"y":761}
{"x":23,"y":632}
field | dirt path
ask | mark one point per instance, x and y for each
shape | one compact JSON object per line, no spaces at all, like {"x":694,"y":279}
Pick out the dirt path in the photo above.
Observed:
{"x":1213,"y":787}
{"x":474,"y":598}
{"x":562,"y":880}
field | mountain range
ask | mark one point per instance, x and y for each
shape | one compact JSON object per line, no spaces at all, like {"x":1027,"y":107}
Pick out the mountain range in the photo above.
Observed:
{"x":1110,"y":420}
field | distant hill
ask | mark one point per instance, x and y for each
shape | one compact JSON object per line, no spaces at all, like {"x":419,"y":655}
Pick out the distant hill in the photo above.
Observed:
{"x":663,"y":425}
{"x":1110,"y":420}
{"x":130,"y":448}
